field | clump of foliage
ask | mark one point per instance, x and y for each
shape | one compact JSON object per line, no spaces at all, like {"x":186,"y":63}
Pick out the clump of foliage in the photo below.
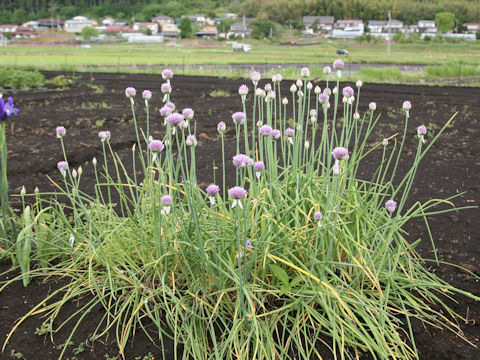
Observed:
{"x":19,"y":79}
{"x":88,"y":32}
{"x":301,"y":251}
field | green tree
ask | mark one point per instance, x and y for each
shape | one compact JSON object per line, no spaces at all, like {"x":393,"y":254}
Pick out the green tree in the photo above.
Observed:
{"x":445,"y":21}
{"x":261,"y":28}
{"x":89,"y":32}
{"x":185,"y":28}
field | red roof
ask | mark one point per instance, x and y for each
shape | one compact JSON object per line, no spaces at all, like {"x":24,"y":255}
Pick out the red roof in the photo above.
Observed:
{"x":118,"y":28}
{"x":8,"y":25}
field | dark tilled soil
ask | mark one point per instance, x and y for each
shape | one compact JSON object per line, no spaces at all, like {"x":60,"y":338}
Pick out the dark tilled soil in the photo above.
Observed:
{"x":451,"y":167}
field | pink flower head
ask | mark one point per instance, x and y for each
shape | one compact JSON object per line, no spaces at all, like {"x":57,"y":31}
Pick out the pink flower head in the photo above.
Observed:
{"x":277,"y":78}
{"x":170,"y":105}
{"x":147,"y":94}
{"x":275,"y":134}
{"x":318,"y":215}
{"x":221,"y":127}
{"x":191,"y":140}
{"x":259,"y":166}
{"x":166,"y":200}
{"x":268,"y":87}
{"x":372,"y":106}
{"x":237,"y":192}
{"x":266,"y":130}
{"x":338,"y":64}
{"x":241,"y":161}
{"x":62,"y":165}
{"x":166,"y":88}
{"x":340,"y":153}
{"x":407,"y":105}
{"x":212,"y":190}
{"x":421,"y":130}
{"x":188,"y":113}
{"x":104,"y":135}
{"x":174,"y":119}
{"x":243,"y":90}
{"x":165,"y":111}
{"x":248,"y":244}
{"x":327,"y":70}
{"x":347,"y":91}
{"x":130,"y":92}
{"x":60,"y":130}
{"x":323,"y":98}
{"x":289,"y":132}
{"x":305,"y":72}
{"x":391,"y":205}
{"x":167,"y":74}
{"x":238,"y":118}
{"x":313,"y":112}
{"x":256,"y":77}
{"x":156,"y":146}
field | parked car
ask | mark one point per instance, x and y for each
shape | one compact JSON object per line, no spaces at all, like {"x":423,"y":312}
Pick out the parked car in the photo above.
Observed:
{"x":342,"y":52}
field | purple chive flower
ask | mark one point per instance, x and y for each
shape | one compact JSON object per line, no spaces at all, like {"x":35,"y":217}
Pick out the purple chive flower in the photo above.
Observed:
{"x":243,"y":90}
{"x":318,"y":215}
{"x":313,"y":112}
{"x":391,"y":205}
{"x":166,"y":88}
{"x":221,"y":127}
{"x":167,"y":74}
{"x":147,"y":94}
{"x":62,"y":167}
{"x":237,"y":192}
{"x":104,"y":135}
{"x":260,"y":92}
{"x":338,"y":64}
{"x":327,"y":70}
{"x":248,"y":244}
{"x":188,"y":113}
{"x":421,"y":130}
{"x":305,"y":72}
{"x":174,"y":119}
{"x":242,"y":160}
{"x":372,"y":106}
{"x":212,"y":190}
{"x":259,"y":166}
{"x":275,"y":134}
{"x":289,"y":132}
{"x":323,"y":98}
{"x":238,"y":118}
{"x":277,"y":78}
{"x":156,"y":146}
{"x":60,"y":130}
{"x":268,"y":87}
{"x":407,"y":105}
{"x":265,"y":130}
{"x":191,"y":140}
{"x":347,"y":91}
{"x":340,"y":153}
{"x":256,"y":77}
{"x":170,"y":105}
{"x":130,"y":92}
{"x":165,"y":111}
{"x":7,"y":109}
{"x":166,"y":200}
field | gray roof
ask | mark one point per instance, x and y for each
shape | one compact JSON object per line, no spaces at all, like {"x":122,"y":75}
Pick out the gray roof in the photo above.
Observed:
{"x":309,"y":20}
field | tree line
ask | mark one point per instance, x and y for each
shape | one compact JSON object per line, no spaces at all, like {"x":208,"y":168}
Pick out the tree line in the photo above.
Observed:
{"x":279,"y":11}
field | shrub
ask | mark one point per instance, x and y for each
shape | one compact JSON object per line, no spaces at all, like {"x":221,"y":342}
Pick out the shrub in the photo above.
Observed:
{"x":19,"y":79}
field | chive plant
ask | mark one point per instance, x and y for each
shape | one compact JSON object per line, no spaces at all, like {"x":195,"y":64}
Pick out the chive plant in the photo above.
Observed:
{"x":300,"y":252}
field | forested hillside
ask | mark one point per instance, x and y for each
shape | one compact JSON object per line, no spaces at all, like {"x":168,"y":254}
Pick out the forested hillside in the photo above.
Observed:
{"x":282,"y":11}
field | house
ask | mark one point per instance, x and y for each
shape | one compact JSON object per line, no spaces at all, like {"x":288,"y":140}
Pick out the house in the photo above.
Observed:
{"x":141,"y":26}
{"x":118,"y":29}
{"x":31,"y":24}
{"x":231,"y":16}
{"x":207,"y":32}
{"x":162,"y":20}
{"x":346,"y":24}
{"x":427,"y":26}
{"x":25,"y":32}
{"x":76,"y":24}
{"x":8,"y":28}
{"x":320,"y":23}
{"x":239,"y":30}
{"x":170,"y":31}
{"x":381,"y":26}
{"x":200,"y":19}
{"x":49,"y":24}
{"x":108,"y":21}
{"x":473,"y":27}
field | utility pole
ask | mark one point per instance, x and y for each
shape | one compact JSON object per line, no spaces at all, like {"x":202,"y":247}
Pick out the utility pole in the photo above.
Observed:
{"x":389,"y":31}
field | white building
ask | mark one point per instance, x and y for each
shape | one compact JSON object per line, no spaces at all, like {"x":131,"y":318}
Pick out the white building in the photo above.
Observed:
{"x":76,"y":24}
{"x":427,"y":26}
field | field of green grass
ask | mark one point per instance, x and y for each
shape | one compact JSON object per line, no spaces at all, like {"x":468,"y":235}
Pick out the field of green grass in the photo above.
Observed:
{"x":213,"y":52}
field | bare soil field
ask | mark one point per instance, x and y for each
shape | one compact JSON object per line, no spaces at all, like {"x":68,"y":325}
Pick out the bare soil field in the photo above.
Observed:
{"x":451,"y":167}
